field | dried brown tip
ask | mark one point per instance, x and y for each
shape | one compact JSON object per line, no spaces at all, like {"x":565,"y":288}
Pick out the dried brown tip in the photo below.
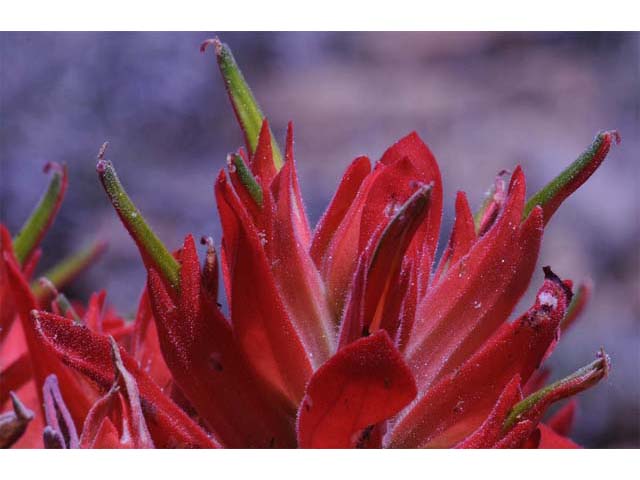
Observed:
{"x":208,"y":241}
{"x":550,"y":275}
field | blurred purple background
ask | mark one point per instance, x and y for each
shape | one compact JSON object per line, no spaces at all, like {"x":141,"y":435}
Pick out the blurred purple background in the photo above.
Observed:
{"x":482,"y":101}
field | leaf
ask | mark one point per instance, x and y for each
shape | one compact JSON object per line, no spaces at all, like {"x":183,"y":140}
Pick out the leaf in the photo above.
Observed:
{"x":153,"y":252}
{"x":341,"y":203}
{"x":208,"y":367}
{"x":341,"y":255}
{"x":70,"y":267}
{"x":298,"y":281}
{"x":490,"y":432}
{"x":463,"y":236}
{"x":427,"y":172}
{"x":132,"y":413}
{"x":145,"y":345}
{"x":522,"y":435}
{"x":555,"y":192}
{"x":43,"y":362}
{"x":533,"y":407}
{"x":403,"y":168}
{"x":89,"y":353}
{"x":492,"y":204}
{"x":14,"y":376}
{"x":386,"y":262}
{"x":244,"y":104}
{"x":477,"y":294}
{"x":43,"y":214}
{"x":98,"y":430}
{"x":363,"y":384}
{"x":550,"y":439}
{"x":562,"y":421}
{"x":352,"y":323}
{"x":456,"y":405}
{"x":210,"y":272}
{"x":261,"y":323}
{"x":577,"y":306}
{"x":8,"y":310}
{"x":262,"y":164}
{"x":246,"y":178}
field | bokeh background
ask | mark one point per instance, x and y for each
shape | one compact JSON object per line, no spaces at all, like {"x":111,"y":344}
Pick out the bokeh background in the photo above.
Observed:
{"x":482,"y":101}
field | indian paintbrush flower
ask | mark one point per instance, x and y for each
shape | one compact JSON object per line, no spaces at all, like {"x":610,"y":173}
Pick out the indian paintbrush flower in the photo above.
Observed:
{"x":352,"y":334}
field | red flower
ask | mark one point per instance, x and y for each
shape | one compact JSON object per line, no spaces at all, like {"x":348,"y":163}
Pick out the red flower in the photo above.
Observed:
{"x":350,"y":335}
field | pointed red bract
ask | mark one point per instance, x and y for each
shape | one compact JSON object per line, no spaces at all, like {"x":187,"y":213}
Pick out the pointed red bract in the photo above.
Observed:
{"x":98,"y":430}
{"x":477,"y":294}
{"x":365,"y":383}
{"x":402,"y":169}
{"x":349,"y":328}
{"x":43,"y":362}
{"x":262,"y":164}
{"x":204,"y":359}
{"x":341,"y":203}
{"x":413,"y":148}
{"x":134,"y":427}
{"x":550,"y":439}
{"x":457,"y":405}
{"x":562,"y":421}
{"x":463,"y":236}
{"x":386,"y":262}
{"x":145,"y":345}
{"x":492,"y":205}
{"x":298,"y":281}
{"x":14,"y":376}
{"x":260,"y":320}
{"x":491,"y":430}
{"x":577,"y":306}
{"x":90,"y":353}
{"x":8,"y":310}
{"x":535,"y":405}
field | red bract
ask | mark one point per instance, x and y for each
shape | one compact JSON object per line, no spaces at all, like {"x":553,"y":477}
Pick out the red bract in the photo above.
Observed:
{"x":347,"y":336}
